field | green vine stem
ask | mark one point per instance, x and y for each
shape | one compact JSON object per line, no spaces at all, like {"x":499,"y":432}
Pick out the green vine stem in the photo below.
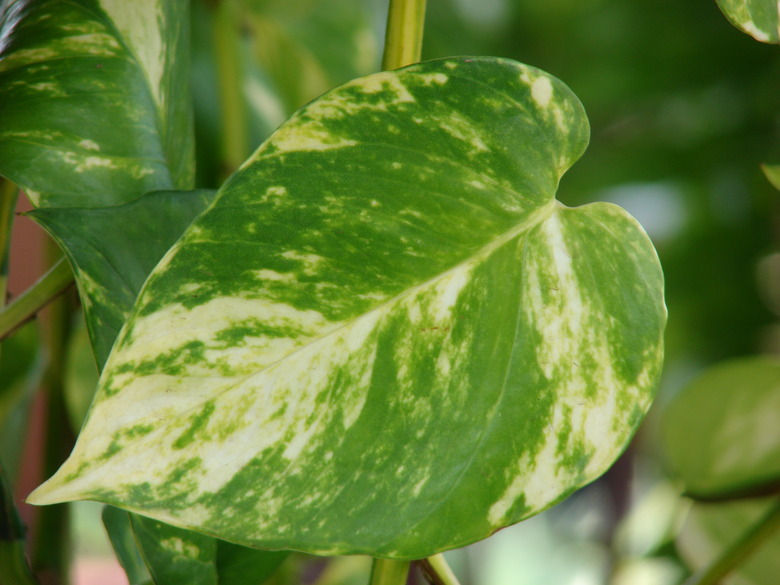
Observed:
{"x":403,"y":39}
{"x":740,"y":550}
{"x":24,"y":308}
{"x":389,"y":572}
{"x":234,"y":137}
{"x":8,"y":195}
{"x":437,"y":571}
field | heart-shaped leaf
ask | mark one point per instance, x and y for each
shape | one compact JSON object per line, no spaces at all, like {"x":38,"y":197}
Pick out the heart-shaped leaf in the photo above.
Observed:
{"x":385,"y":336}
{"x":95,"y":92}
{"x":758,"y":18}
{"x":720,"y":433}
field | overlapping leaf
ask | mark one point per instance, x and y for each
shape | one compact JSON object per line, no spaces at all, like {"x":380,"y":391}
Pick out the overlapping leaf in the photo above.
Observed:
{"x":385,"y":336}
{"x":95,"y":92}
{"x":113,"y":250}
{"x":758,"y":18}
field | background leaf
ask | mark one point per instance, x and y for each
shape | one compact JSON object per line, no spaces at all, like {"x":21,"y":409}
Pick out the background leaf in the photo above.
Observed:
{"x":114,"y":249}
{"x":21,"y":370}
{"x":758,"y":18}
{"x":711,"y":528}
{"x":720,"y":433}
{"x":120,"y":531}
{"x":398,"y":268}
{"x":66,"y":69}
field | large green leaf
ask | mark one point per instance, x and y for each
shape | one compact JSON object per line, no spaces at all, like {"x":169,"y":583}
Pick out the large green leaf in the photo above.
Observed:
{"x":95,"y":101}
{"x":720,"y":433}
{"x":385,"y":336}
{"x":758,"y":18}
{"x":113,"y":250}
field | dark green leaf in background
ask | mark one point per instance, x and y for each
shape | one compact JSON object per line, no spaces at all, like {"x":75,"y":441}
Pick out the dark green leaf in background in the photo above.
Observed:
{"x":120,"y":532}
{"x":96,"y":93}
{"x":21,"y":370}
{"x":385,"y":336}
{"x":114,"y":249}
{"x":175,"y":556}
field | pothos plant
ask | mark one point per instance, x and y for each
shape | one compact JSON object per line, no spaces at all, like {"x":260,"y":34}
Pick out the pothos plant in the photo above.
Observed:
{"x":382,"y":335}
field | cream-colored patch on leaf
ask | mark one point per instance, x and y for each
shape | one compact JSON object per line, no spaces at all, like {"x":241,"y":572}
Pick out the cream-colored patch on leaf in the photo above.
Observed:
{"x":386,"y":81}
{"x":462,"y":129}
{"x":89,"y":144}
{"x":177,"y":545}
{"x":265,"y":274}
{"x":311,"y":262}
{"x":750,"y":28}
{"x":310,"y":136}
{"x":542,"y":91}
{"x":433,"y":78}
{"x":142,"y":25}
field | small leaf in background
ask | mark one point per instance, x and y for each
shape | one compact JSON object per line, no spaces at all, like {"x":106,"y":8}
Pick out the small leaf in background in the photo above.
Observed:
{"x":173,"y":555}
{"x":758,"y":18}
{"x":710,"y":528}
{"x":94,"y":93}
{"x":385,"y":336}
{"x":114,"y":249}
{"x":772,"y":173}
{"x":176,"y":556}
{"x":721,"y":434}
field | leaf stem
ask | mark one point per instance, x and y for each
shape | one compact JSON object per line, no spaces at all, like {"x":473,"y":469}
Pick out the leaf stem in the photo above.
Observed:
{"x":389,"y":572}
{"x":437,"y":571}
{"x":740,"y":550}
{"x":8,"y":195}
{"x":49,"y":286}
{"x":403,"y":39}
{"x":234,"y":137}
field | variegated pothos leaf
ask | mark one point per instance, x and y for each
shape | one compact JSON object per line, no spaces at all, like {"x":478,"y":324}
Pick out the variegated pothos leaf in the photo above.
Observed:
{"x":758,"y":18}
{"x":385,"y":336}
{"x":95,"y":99}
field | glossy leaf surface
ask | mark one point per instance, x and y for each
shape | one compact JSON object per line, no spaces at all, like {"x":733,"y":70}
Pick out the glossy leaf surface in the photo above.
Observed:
{"x":758,"y":18}
{"x":385,"y":336}
{"x":113,"y":250}
{"x":95,"y":92}
{"x":721,"y":434}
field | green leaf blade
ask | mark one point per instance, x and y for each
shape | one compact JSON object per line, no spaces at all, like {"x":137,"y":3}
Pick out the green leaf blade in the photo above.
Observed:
{"x":365,"y":347}
{"x":58,"y":57}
